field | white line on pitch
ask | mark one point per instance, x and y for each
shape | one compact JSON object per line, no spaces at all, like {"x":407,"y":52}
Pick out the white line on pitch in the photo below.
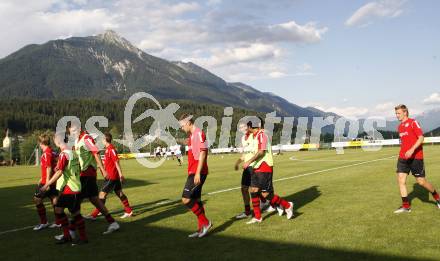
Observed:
{"x":15,"y":230}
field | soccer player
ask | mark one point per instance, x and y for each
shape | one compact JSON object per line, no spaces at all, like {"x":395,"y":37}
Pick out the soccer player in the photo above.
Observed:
{"x":90,"y":160}
{"x":197,"y":173}
{"x":114,"y":178}
{"x":47,"y":162}
{"x":67,"y":179}
{"x":178,"y":154}
{"x":247,"y":143}
{"x":411,"y":158}
{"x":261,"y":178}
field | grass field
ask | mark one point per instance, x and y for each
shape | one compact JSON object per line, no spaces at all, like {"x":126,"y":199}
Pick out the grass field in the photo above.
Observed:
{"x":345,"y":207}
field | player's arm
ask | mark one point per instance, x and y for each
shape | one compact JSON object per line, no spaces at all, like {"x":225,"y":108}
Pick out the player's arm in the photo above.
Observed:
{"x":118,"y":167}
{"x":95,"y":151}
{"x":202,"y":157}
{"x":254,"y":158}
{"x":48,"y":174}
{"x":52,"y":180}
{"x":238,"y":162}
{"x":100,"y":165}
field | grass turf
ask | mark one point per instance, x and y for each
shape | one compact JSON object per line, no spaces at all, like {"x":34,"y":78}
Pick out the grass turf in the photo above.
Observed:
{"x":344,"y":212}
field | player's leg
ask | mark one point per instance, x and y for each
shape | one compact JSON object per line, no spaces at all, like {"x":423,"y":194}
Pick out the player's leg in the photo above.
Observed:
{"x":202,"y":219}
{"x":80,"y":225}
{"x":53,"y":201}
{"x":401,"y":181}
{"x":128,"y":212}
{"x":255,"y":199}
{"x":403,"y":169}
{"x":62,"y":203}
{"x":102,"y":196}
{"x":90,"y":190}
{"x":428,"y":186}
{"x":267,"y":191}
{"x":418,"y":170}
{"x":41,"y":210}
{"x":245,"y":184}
{"x":192,"y":203}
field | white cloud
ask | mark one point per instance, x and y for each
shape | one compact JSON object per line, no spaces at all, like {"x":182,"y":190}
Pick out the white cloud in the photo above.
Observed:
{"x":433,"y":99}
{"x":277,"y":74}
{"x":377,"y":9}
{"x":385,"y":110}
{"x":243,"y":54}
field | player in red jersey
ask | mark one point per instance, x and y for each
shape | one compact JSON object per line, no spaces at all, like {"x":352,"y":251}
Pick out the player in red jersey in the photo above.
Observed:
{"x":90,"y":161}
{"x":262,"y":175}
{"x":114,"y":178}
{"x":197,"y":173}
{"x":411,"y":157}
{"x":47,"y":162}
{"x":67,"y":180}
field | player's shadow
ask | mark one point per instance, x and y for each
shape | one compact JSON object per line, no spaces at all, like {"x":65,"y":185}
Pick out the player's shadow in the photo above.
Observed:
{"x":300,"y":199}
{"x":421,"y":193}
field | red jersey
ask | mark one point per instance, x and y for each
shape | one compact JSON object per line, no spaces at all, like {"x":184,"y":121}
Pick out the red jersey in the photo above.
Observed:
{"x":409,"y":132}
{"x":63,"y":160}
{"x":262,"y":140}
{"x":47,"y":160}
{"x":196,"y":144}
{"x":110,"y":159}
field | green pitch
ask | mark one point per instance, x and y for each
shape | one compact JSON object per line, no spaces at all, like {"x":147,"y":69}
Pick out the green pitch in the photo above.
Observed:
{"x":344,"y":206}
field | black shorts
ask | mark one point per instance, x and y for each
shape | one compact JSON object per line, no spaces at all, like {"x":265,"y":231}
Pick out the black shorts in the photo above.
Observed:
{"x":89,"y":187}
{"x":70,"y":201}
{"x":262,"y":180}
{"x":191,"y":190}
{"x":52,"y":192}
{"x":111,"y":185}
{"x":246,"y":177}
{"x":415,"y":166}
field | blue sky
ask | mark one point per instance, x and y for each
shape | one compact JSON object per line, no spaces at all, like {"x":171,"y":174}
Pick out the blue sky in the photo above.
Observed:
{"x":356,"y":58}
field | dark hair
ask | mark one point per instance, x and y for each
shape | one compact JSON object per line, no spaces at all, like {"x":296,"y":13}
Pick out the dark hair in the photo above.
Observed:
{"x":250,"y":124}
{"x":71,"y":124}
{"x":187,"y":116}
{"x":44,"y":139}
{"x":108,"y":137}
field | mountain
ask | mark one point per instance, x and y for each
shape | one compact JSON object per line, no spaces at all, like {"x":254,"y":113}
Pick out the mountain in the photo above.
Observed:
{"x":107,"y":66}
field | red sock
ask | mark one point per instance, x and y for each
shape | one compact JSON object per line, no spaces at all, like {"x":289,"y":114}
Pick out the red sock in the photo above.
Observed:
{"x":81,"y":225}
{"x":436,"y":195}
{"x":95,"y":213}
{"x":42,"y":213}
{"x":203,"y":218}
{"x":405,"y":202}
{"x":277,"y":201}
{"x":127,"y":207}
{"x":62,"y":219}
{"x":256,"y":205}
{"x":199,"y":212}
{"x":109,"y":218}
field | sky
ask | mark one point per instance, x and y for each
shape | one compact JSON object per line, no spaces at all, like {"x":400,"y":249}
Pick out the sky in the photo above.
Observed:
{"x":355,"y":58}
